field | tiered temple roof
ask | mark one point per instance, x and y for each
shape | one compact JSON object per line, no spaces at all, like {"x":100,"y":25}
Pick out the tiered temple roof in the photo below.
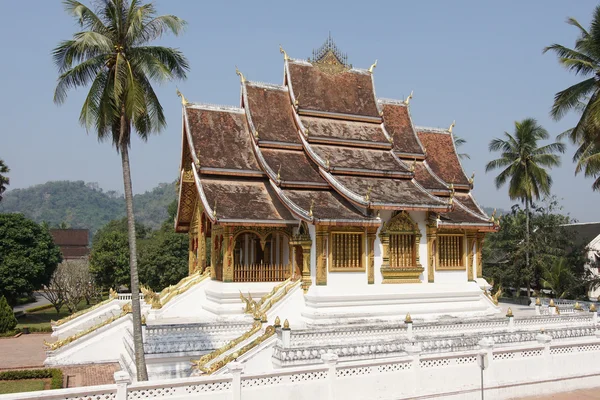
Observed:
{"x":320,"y":148}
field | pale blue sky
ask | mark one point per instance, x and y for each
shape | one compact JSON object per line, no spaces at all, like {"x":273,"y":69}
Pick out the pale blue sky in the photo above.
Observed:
{"x":477,"y":62}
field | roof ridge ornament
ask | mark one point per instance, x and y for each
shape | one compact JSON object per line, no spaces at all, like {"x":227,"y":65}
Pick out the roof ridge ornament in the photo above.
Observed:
{"x":372,"y":67}
{"x":368,"y":195}
{"x":214,"y":211}
{"x":312,"y":207}
{"x":285,"y":55}
{"x":329,"y":59}
{"x":472,"y":178}
{"x":239,"y":73}
{"x":452,"y":125}
{"x":184,"y":101}
{"x":410,"y":96}
{"x":413,"y":166}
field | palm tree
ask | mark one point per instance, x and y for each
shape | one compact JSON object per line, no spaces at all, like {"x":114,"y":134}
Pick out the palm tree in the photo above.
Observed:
{"x":458,"y":141}
{"x":558,"y":277}
{"x":582,"y":97}
{"x":112,"y":56}
{"x":523,"y":165}
{"x":4,"y":180}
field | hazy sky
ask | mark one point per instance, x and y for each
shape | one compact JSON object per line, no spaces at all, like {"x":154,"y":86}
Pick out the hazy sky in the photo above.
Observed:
{"x":477,"y":62}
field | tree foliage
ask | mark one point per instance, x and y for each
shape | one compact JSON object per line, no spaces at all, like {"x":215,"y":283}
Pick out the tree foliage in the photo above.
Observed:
{"x":583,"y":97}
{"x":71,"y":284}
{"x":4,"y":180}
{"x":7,"y":317}
{"x":28,"y":256}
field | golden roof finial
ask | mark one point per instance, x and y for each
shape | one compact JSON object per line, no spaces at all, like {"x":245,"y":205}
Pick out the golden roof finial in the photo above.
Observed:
{"x":282,"y":51}
{"x":327,"y":163}
{"x":368,"y":195}
{"x":312,"y":207}
{"x":452,"y":125}
{"x":184,"y":101}
{"x":279,"y":173}
{"x":408,"y":319}
{"x":256,"y":133}
{"x":509,"y":312}
{"x":410,"y":96}
{"x":286,"y":324}
{"x":413,"y":166}
{"x":239,"y":73}
{"x":215,"y":209}
{"x":372,"y":67}
{"x":493,"y":217}
{"x":296,"y":102}
{"x":472,"y":178}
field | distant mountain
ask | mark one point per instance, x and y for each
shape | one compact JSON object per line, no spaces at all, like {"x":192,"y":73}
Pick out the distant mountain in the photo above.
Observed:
{"x":86,"y":205}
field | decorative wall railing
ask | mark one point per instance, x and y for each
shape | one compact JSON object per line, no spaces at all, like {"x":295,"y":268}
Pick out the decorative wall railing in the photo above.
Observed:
{"x":261,"y":273}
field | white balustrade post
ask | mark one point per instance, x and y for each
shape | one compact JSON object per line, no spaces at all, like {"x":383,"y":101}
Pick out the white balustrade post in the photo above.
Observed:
{"x":414,"y":351}
{"x":545,"y":339}
{"x":286,"y":335}
{"x":122,"y":379}
{"x":486,"y":355}
{"x":331,"y":360}
{"x":236,"y":368}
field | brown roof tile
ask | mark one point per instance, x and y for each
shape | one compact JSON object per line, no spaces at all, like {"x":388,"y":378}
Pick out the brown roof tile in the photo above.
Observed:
{"x":468,"y":201}
{"x":221,"y":139}
{"x":442,"y":157}
{"x":71,"y":252}
{"x":272,"y":114}
{"x":344,"y":130}
{"x":424,"y":177}
{"x":357,"y":158}
{"x":399,"y":192}
{"x":399,"y":127}
{"x":70,"y":237}
{"x":461,"y":215}
{"x":244,"y":199}
{"x":345,"y":93}
{"x":328,"y":204}
{"x":295,"y":165}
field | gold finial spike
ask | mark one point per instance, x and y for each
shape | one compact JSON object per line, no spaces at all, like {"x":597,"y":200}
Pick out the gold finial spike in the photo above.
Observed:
{"x":593,"y":307}
{"x":238,"y":73}
{"x":296,"y":102}
{"x":277,"y":322}
{"x":538,"y":302}
{"x":368,"y":195}
{"x":282,"y":51}
{"x":472,"y":178}
{"x":263,"y":318}
{"x":327,"y":163}
{"x":410,"y":96}
{"x":509,"y":312}
{"x":312,"y":207}
{"x":408,"y":319}
{"x":372,"y":67}
{"x":215,"y":209}
{"x":551,"y":303}
{"x":256,"y":133}
{"x":184,"y":101}
{"x":577,"y":306}
{"x":452,"y":125}
{"x":279,"y":173}
{"x":413,"y":167}
{"x":286,"y":324}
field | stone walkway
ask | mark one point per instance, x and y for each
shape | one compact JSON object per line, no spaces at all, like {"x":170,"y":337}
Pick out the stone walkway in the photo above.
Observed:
{"x":25,"y":351}
{"x":90,"y":375}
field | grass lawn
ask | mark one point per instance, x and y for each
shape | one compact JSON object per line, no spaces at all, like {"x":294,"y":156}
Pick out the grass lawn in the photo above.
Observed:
{"x":41,"y":319}
{"x":24,"y":385}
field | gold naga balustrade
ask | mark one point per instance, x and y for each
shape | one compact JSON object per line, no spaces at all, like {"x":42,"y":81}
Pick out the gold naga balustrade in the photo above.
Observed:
{"x":261,"y":272}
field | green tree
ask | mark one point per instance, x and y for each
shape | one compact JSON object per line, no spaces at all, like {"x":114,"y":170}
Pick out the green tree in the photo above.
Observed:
{"x":28,"y":256}
{"x":7,"y":316}
{"x":4,"y":180}
{"x":109,"y":255}
{"x":558,"y":277}
{"x":523,"y":166}
{"x":112,"y":56}
{"x":582,"y":97}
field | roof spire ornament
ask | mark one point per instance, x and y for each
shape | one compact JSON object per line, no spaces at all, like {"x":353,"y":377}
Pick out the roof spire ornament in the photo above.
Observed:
{"x":329,"y":59}
{"x":410,"y":96}
{"x":452,"y":125}
{"x":282,"y":51}
{"x":327,"y":163}
{"x":451,"y":200}
{"x":472,"y":178}
{"x":279,"y":173}
{"x":238,"y":73}
{"x":372,"y":67}
{"x":312,"y":206}
{"x":413,"y":166}
{"x":184,"y":101}
{"x":368,"y":195}
{"x":214,"y":213}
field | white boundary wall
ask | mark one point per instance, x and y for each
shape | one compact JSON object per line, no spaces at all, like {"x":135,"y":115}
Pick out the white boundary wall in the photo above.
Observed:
{"x":533,"y":369}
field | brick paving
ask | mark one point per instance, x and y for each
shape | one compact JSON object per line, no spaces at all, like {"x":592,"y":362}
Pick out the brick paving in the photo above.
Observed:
{"x":90,"y":375}
{"x":24,"y":351}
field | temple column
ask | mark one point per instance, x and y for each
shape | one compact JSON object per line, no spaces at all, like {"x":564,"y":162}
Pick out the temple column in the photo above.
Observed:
{"x":227,"y":254}
{"x":306,"y":281}
{"x":480,"y":237}
{"x":431,"y":251}
{"x":321,"y":235}
{"x":471,"y":238}
{"x":213,"y":255}
{"x":191,"y":256}
{"x":371,"y":236}
{"x":201,"y":246}
{"x":292,"y":261}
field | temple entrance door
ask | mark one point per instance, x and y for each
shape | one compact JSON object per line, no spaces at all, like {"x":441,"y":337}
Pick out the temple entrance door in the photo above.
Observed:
{"x":298,"y":261}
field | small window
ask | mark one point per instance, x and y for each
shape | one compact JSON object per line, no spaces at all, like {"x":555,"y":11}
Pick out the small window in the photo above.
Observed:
{"x":451,"y":251}
{"x":402,"y":250}
{"x":347,"y":251}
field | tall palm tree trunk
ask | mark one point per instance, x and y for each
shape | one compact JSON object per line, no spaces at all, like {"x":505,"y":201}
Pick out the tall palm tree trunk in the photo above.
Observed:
{"x":527,"y":246}
{"x":138,"y":341}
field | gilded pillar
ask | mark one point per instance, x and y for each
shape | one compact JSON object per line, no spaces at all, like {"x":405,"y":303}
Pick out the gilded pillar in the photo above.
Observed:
{"x":213,"y":254}
{"x":191,"y":254}
{"x":431,"y":251}
{"x":480,"y":237}
{"x":291,"y":260}
{"x":471,"y":239}
{"x":306,"y":281}
{"x":227,"y":254}
{"x":321,"y":236}
{"x":371,"y":261}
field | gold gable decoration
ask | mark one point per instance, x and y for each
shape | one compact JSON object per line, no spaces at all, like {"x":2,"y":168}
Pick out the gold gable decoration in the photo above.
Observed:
{"x":401,"y":263}
{"x":329,"y":59}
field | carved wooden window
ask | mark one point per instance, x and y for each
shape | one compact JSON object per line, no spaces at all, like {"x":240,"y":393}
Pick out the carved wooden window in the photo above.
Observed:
{"x":347,"y":251}
{"x":402,"y":250}
{"x":451,"y":251}
{"x":400,"y":239}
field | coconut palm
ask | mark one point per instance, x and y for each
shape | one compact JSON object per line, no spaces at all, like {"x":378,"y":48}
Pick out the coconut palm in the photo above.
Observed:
{"x":4,"y":180}
{"x":111,"y":55}
{"x":523,"y":166}
{"x":558,"y":277}
{"x":458,"y":141}
{"x":582,"y":97}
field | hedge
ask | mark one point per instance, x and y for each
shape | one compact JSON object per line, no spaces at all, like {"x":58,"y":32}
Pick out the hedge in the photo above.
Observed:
{"x":56,"y":376}
{"x":39,"y":308}
{"x":32,"y":329}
